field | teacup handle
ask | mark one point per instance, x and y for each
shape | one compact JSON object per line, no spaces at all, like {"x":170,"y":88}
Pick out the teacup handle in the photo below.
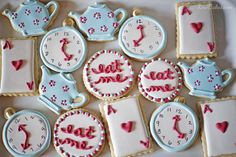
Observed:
{"x":55,"y":8}
{"x":229,"y":78}
{"x":124,"y":15}
{"x":80,"y":100}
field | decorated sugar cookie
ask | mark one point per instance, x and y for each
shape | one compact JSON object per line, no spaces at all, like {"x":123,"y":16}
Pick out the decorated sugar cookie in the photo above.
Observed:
{"x":58,"y":91}
{"x":26,"y":133}
{"x":195,"y":30}
{"x":78,"y":133}
{"x":63,"y":49}
{"x":108,"y":75}
{"x":142,"y":37}
{"x":32,"y":17}
{"x":19,"y":67}
{"x":219,"y":125}
{"x":174,"y":126}
{"x":204,"y":78}
{"x":98,"y":22}
{"x":128,"y":134}
{"x":160,"y":80}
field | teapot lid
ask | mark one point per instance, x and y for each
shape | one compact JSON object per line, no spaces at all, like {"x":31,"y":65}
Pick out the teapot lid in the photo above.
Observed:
{"x":27,"y":2}
{"x":98,"y":5}
{"x":206,"y":61}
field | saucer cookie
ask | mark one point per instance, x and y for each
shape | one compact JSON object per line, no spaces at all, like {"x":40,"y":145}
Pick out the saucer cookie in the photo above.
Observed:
{"x":128,"y":134}
{"x":160,"y":80}
{"x":195,"y":30}
{"x":19,"y":67}
{"x":108,"y":75}
{"x":174,"y":126}
{"x":78,"y":133}
{"x":219,"y":125}
{"x":26,"y":133}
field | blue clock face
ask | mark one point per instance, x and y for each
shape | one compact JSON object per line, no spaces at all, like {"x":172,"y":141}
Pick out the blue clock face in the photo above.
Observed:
{"x":174,"y":126}
{"x":63,"y":49}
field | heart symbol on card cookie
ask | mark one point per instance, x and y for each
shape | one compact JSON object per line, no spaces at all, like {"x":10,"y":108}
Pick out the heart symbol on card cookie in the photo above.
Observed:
{"x":197,"y":26}
{"x":17,"y":64}
{"x":127,"y":126}
{"x":222,"y":126}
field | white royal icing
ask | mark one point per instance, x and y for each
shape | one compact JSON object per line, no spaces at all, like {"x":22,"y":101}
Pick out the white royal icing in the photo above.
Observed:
{"x":15,"y":81}
{"x":126,"y":143}
{"x":219,"y":143}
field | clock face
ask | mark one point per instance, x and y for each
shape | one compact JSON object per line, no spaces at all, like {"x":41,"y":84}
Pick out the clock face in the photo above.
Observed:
{"x":27,"y":133}
{"x":63,"y":49}
{"x":142,"y":37}
{"x":174,"y":126}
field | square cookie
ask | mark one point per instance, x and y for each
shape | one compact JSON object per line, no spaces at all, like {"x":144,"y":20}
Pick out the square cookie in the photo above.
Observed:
{"x":127,"y":131}
{"x":19,"y":67}
{"x":219,"y":125}
{"x":195,"y":30}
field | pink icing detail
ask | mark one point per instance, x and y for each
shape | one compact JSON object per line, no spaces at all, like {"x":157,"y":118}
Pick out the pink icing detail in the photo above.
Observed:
{"x":45,"y":19}
{"x":107,"y":79}
{"x":36,"y":21}
{"x":7,"y":45}
{"x":21,"y":24}
{"x":65,"y":88}
{"x":44,"y":88}
{"x":217,"y":87}
{"x":222,"y":126}
{"x":211,"y":46}
{"x":30,"y":85}
{"x":91,"y":30}
{"x":115,"y":24}
{"x":38,"y":10}
{"x":104,"y":28}
{"x":167,"y":74}
{"x":201,"y":68}
{"x":145,"y":143}
{"x":197,"y":26}
{"x":136,"y":42}
{"x":27,"y":11}
{"x":64,"y":103}
{"x":186,"y":10}
{"x":190,"y":70}
{"x":53,"y":98}
{"x":14,"y":15}
{"x":207,"y":108}
{"x":83,"y":145}
{"x":97,"y":15}
{"x":210,"y":78}
{"x":110,"y":109}
{"x":110,"y":14}
{"x":83,"y":19}
{"x":217,"y":73}
{"x":127,"y":126}
{"x":17,"y":64}
{"x":165,"y":88}
{"x":197,"y":83}
{"x":52,"y":83}
{"x":113,"y":67}
{"x":25,"y":145}
{"x":176,"y":118}
{"x":80,"y":132}
{"x":65,"y":42}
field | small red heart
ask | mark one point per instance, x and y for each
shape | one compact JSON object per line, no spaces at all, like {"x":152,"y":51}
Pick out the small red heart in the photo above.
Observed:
{"x":222,"y":126}
{"x":30,"y":85}
{"x":186,"y":10}
{"x":145,"y":143}
{"x":17,"y":64}
{"x":197,"y":26}
{"x":211,"y":46}
{"x":127,"y":126}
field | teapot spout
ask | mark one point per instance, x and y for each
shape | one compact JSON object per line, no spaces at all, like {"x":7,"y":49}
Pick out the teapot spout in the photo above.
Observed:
{"x":74,"y":15}
{"x":183,"y":66}
{"x":7,"y":13}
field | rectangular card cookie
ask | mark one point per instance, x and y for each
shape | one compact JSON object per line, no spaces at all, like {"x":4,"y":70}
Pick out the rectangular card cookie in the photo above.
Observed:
{"x":195,"y":30}
{"x":128,"y":134}
{"x":19,"y":67}
{"x":219,"y":127}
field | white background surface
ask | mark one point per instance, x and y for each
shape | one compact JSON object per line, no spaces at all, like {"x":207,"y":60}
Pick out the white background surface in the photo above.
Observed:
{"x":164,"y":11}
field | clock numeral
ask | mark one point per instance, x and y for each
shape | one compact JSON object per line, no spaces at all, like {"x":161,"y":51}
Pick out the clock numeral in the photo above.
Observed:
{"x":186,"y":117}
{"x":32,"y":149}
{"x":52,"y":60}
{"x":10,"y":140}
{"x":169,"y":142}
{"x":78,"y":42}
{"x":157,"y":43}
{"x":156,"y":28}
{"x":190,"y":122}
{"x":79,"y":51}
{"x":128,"y":45}
{"x":186,"y":139}
{"x":76,"y":59}
{"x":163,"y":137}
{"x":161,"y":116}
{"x":139,"y":21}
{"x":43,"y":128}
{"x":46,"y":53}
{"x":14,"y":147}
{"x":159,"y":34}
{"x":124,"y":37}
{"x":39,"y":145}
{"x":66,"y":33}
{"x":126,"y":31}
{"x":130,"y":24}
{"x":56,"y":34}
{"x":159,"y":131}
{"x":190,"y":131}
{"x":26,"y":118}
{"x":23,"y":151}
{"x":169,"y":109}
{"x":179,"y":111}
{"x":150,"y":47}
{"x":141,"y":51}
{"x":32,"y":117}
{"x":73,"y":37}
{"x":45,"y":46}
{"x":17,"y":121}
{"x":43,"y":137}
{"x":10,"y":130}
{"x":158,"y":123}
{"x":59,"y":64}
{"x":49,"y":39}
{"x":134,"y":49}
{"x":41,"y":121}
{"x":178,"y":142}
{"x":68,"y":64}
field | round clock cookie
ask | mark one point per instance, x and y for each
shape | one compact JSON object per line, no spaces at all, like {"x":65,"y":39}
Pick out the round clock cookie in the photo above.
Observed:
{"x":26,"y":133}
{"x":174,"y":126}
{"x":108,"y":75}
{"x":78,"y":133}
{"x":160,"y":80}
{"x":63,"y":49}
{"x":142,"y":37}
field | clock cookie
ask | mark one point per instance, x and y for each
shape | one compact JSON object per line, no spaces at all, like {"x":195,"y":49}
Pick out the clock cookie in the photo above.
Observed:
{"x":128,"y":134}
{"x":160,"y":80}
{"x":174,"y":126}
{"x":108,"y":75}
{"x":19,"y":67}
{"x":219,"y":125}
{"x":58,"y":91}
{"x":78,"y":133}
{"x":142,"y":37}
{"x":195,"y":30}
{"x":63,"y":49}
{"x":26,"y":133}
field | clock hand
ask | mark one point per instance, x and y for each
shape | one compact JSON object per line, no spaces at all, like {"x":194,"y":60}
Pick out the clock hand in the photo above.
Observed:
{"x":24,"y":145}
{"x":176,"y":118}
{"x":136,"y":42}
{"x":64,"y":42}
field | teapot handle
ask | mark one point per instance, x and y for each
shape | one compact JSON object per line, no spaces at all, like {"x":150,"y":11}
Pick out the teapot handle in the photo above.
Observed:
{"x":55,"y":8}
{"x":229,"y":78}
{"x":124,"y":15}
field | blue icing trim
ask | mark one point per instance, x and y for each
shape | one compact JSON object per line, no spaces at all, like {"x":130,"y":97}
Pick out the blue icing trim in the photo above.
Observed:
{"x":98,"y":22}
{"x":159,"y":140}
{"x":204,"y":78}
{"x":32,"y":17}
{"x":143,"y":55}
{"x":58,"y":91}
{"x":43,"y":148}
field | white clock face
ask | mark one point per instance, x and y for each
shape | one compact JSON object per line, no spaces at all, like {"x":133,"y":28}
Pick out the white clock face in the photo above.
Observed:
{"x":142,"y":35}
{"x":63,"y":49}
{"x":174,"y":126}
{"x":27,"y":133}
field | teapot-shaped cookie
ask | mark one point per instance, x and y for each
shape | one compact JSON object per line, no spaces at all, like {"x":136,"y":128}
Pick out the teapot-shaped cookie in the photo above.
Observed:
{"x":98,"y":22}
{"x":204,"y":78}
{"x":32,"y":17}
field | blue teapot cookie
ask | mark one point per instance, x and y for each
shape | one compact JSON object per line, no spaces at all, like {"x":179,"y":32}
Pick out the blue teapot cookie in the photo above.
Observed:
{"x":204,"y":78}
{"x":58,"y":91}
{"x":32,"y":17}
{"x":98,"y":22}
